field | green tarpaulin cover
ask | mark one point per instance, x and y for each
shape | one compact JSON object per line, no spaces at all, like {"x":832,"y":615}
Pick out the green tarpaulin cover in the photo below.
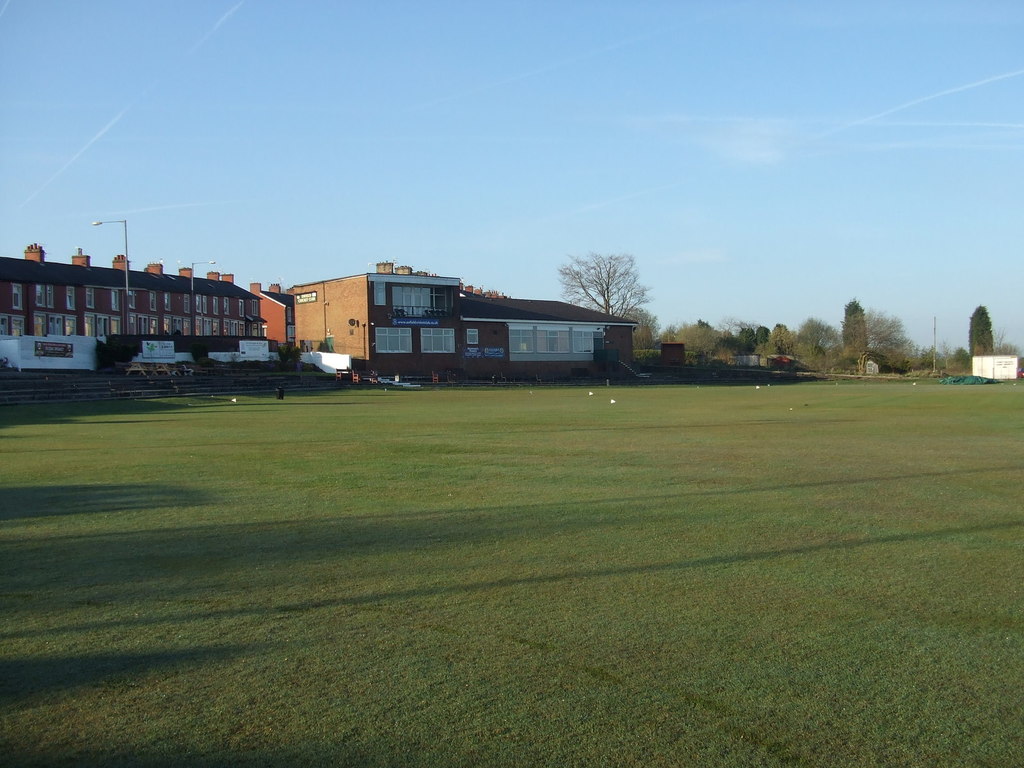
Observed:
{"x":967,"y":380}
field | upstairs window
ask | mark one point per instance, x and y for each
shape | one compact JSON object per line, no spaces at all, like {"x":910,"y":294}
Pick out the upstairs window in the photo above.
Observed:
{"x":44,"y":295}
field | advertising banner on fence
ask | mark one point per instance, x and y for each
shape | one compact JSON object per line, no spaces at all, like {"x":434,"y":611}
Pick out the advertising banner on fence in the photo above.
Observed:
{"x":157,"y":351}
{"x":253,"y":350}
{"x":54,"y":349}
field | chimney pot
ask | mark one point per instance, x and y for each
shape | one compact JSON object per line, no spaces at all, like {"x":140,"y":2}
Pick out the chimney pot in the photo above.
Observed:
{"x":35,"y":252}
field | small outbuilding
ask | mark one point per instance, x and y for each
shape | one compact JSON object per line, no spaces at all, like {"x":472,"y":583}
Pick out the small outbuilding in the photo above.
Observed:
{"x":1000,"y":367}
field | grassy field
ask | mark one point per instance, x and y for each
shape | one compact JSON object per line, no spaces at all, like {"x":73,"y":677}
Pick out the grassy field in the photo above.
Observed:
{"x":805,"y":575}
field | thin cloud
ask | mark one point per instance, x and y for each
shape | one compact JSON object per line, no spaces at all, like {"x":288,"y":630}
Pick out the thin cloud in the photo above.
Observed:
{"x":3,"y":9}
{"x":595,"y":206}
{"x":699,"y":256}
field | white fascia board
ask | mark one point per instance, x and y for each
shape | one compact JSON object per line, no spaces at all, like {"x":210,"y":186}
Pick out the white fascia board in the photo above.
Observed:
{"x":374,"y":277}
{"x":552,"y":324}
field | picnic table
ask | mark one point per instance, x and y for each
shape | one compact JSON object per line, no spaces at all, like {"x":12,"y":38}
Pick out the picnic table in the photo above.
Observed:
{"x":157,"y":369}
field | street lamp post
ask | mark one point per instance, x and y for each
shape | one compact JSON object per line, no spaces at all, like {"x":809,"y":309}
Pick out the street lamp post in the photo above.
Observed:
{"x":192,"y":290}
{"x":127,"y":264}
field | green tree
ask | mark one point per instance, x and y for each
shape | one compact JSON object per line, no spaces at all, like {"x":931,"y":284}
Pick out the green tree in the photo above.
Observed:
{"x":818,"y":343}
{"x":700,"y":338}
{"x":960,"y":361}
{"x":747,"y":338}
{"x":980,"y":340}
{"x":781,"y":340}
{"x":855,"y":330}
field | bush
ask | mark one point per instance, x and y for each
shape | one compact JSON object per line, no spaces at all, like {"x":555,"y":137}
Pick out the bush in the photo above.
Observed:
{"x":109,"y":353}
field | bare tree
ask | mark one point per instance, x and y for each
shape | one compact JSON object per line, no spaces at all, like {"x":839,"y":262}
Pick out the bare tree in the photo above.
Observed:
{"x":607,"y":283}
{"x":646,"y":330}
{"x":886,"y":335}
{"x":1003,"y":347}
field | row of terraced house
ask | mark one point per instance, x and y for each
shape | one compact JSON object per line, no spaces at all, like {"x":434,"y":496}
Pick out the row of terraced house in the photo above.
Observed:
{"x":395,"y":320}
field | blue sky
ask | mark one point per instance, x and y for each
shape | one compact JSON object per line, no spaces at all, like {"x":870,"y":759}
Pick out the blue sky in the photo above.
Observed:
{"x":763,"y":161}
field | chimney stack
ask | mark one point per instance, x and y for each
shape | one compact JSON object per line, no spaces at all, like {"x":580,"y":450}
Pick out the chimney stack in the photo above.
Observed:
{"x":81,"y":259}
{"x":120,"y":262}
{"x":35,"y":252}
{"x":213,"y":275}
{"x":227,"y":277}
{"x":185,"y":272}
{"x":385,"y":267}
{"x":156,"y":268}
{"x":275,"y":288}
{"x":255,"y":288}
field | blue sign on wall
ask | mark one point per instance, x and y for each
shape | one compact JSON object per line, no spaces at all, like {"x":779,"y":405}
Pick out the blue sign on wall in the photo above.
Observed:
{"x":415,"y":321}
{"x":489,"y":352}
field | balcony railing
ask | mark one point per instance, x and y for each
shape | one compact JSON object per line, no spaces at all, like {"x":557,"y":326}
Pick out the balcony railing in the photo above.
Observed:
{"x":421,"y":312}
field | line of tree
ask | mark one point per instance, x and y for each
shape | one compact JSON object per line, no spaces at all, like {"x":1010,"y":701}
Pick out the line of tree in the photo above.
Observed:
{"x":611,"y":284}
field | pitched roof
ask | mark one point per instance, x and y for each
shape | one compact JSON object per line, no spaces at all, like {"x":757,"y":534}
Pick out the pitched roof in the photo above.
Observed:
{"x":491,"y":308}
{"x":285,"y":299}
{"x":51,"y":273}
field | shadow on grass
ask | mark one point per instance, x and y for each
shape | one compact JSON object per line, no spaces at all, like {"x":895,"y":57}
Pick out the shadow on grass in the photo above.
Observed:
{"x":26,"y":502}
{"x":264,"y":541}
{"x":68,"y":413}
{"x":652,"y":568}
{"x":30,"y":676}
{"x":327,"y":752}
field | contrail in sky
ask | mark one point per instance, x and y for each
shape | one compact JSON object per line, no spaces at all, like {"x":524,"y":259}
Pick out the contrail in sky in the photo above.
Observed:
{"x":218,"y":25}
{"x":121,"y":114}
{"x":553,"y":66}
{"x":844,"y":127}
{"x":922,"y":100}
{"x":176,"y":206}
{"x":79,"y":153}
{"x":4,"y":8}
